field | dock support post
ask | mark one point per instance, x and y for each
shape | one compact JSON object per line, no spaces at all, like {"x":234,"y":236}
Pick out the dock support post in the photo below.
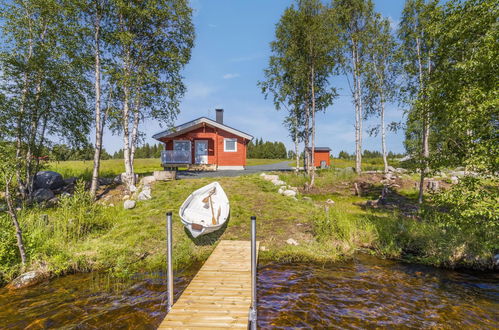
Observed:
{"x":252,"y":313}
{"x":169,"y":269}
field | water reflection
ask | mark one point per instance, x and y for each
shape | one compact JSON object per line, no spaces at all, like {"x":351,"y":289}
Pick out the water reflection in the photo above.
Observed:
{"x":375,"y":293}
{"x":365,"y":293}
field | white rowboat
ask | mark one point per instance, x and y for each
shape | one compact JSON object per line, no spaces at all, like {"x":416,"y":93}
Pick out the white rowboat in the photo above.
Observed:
{"x":205,"y":210}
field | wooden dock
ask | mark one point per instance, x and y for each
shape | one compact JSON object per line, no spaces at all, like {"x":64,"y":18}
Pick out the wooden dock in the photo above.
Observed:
{"x":219,"y":296}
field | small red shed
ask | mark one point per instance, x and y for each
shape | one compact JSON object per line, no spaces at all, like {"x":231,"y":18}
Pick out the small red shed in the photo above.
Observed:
{"x":321,"y":156}
{"x":204,"y":141}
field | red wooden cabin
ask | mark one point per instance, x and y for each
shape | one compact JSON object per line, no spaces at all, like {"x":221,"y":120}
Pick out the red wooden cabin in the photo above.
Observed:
{"x":204,"y":141}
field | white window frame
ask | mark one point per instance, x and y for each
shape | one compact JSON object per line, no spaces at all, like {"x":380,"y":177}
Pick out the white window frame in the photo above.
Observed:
{"x":225,"y":144}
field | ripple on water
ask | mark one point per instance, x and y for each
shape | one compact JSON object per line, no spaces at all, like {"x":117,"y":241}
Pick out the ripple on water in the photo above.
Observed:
{"x":365,"y":293}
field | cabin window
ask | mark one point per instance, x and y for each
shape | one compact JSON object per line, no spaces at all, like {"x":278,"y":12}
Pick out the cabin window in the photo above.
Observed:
{"x":230,"y":145}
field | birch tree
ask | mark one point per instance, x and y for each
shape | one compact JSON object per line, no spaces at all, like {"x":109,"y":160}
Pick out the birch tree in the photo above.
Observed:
{"x":417,"y":51}
{"x":380,"y":75}
{"x":153,"y":43}
{"x":301,"y":64}
{"x":353,"y":17}
{"x":43,"y":79}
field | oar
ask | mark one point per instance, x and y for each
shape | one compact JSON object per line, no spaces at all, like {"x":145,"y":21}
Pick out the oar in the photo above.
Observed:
{"x":208,"y":198}
{"x":213,"y":220}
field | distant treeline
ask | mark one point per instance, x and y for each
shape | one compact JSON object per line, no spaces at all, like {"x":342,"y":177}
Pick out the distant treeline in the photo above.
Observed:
{"x":145,"y":151}
{"x":267,"y":150}
{"x":368,"y":154}
{"x":62,"y":152}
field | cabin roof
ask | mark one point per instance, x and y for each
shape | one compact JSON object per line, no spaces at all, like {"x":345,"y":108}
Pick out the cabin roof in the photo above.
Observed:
{"x":196,"y":123}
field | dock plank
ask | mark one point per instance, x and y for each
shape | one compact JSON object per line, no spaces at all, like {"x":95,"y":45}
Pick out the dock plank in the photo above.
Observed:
{"x":219,"y":296}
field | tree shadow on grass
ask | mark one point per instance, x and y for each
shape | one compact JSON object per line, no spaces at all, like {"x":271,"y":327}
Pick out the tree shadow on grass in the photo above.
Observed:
{"x":208,"y":239}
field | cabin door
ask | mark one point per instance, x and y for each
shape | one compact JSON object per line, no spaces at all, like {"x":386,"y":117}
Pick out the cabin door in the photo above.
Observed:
{"x":201,"y":147}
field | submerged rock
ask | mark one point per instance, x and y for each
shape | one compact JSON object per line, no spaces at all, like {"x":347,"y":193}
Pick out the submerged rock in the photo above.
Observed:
{"x":48,"y":180}
{"x":129,"y":204}
{"x":27,"y":279}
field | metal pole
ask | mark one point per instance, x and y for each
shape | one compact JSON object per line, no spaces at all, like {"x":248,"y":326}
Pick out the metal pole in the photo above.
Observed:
{"x":253,"y":314}
{"x":169,"y":269}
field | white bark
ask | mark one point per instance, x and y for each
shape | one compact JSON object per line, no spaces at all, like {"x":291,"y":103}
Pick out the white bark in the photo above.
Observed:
{"x":98,"y":117}
{"x":312,"y":158}
{"x":358,"y":109}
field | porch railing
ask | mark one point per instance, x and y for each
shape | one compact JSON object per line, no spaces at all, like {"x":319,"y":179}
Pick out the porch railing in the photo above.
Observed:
{"x":176,"y":157}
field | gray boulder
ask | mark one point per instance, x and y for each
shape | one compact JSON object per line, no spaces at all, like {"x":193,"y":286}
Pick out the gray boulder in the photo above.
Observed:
{"x":391,"y":169}
{"x":289,"y":193}
{"x":147,"y":180}
{"x":43,"y":195}
{"x":70,"y":181}
{"x":26,"y":279}
{"x":49,"y":180}
{"x":129,"y":204}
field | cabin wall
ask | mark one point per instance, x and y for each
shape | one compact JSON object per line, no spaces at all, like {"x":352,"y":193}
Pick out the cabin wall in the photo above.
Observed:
{"x":216,"y":153}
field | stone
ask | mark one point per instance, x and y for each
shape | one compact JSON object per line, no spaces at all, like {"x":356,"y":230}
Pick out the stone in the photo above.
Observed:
{"x":400,"y":170}
{"x":391,"y":169}
{"x":281,"y":190}
{"x":48,"y":180}
{"x":105,"y":181}
{"x":292,"y":241}
{"x":70,"y":181}
{"x":278,"y":182}
{"x":27,"y":279}
{"x":454,"y":179}
{"x":43,"y":195}
{"x":433,"y":185}
{"x":270,"y":177}
{"x":132,"y":188}
{"x":121,"y":178}
{"x":330,"y":202}
{"x":289,"y":193}
{"x":348,"y":170}
{"x":388,"y":176}
{"x":263,"y":248}
{"x":165,"y":175}
{"x":126,"y":197}
{"x":129,"y":204}
{"x":144,"y":195}
{"x":495,"y":260}
{"x":147,"y":180}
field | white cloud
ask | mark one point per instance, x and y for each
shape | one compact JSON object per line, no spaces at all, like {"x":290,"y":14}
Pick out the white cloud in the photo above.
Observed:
{"x":230,"y":75}
{"x":197,"y":90}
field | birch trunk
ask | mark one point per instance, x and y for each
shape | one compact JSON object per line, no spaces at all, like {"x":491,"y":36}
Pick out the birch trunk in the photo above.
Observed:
{"x":13,"y":215}
{"x":425,"y":150}
{"x":312,"y":158}
{"x":306,"y":140}
{"x":129,"y":175}
{"x":383,"y":134}
{"x":135,"y":130}
{"x":98,"y":118}
{"x":297,"y":156}
{"x":358,"y":114}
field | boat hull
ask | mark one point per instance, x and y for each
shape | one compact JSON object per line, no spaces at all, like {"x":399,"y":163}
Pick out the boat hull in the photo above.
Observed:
{"x":198,"y":210}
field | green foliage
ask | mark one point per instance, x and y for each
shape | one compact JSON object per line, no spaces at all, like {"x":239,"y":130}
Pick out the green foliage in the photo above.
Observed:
{"x":266,"y":150}
{"x":464,"y":86}
{"x":471,"y":206}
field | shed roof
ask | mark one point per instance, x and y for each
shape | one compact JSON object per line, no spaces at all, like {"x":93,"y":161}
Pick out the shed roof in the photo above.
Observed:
{"x":320,"y":148}
{"x":193,"y":124}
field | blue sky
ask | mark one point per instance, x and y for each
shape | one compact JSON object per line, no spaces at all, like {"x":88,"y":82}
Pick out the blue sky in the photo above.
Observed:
{"x":231,"y":51}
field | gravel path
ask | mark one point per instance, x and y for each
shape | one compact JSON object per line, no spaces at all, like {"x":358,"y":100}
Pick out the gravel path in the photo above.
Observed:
{"x":282,"y":166}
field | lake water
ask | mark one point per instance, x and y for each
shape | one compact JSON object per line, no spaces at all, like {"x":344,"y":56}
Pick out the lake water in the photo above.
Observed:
{"x":364,"y":293}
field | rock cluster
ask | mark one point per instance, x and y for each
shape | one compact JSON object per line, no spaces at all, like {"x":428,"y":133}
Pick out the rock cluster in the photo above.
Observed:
{"x":284,"y":189}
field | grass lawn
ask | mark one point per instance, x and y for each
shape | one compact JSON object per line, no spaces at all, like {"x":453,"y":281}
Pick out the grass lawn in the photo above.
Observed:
{"x":114,"y":167}
{"x":109,"y":167}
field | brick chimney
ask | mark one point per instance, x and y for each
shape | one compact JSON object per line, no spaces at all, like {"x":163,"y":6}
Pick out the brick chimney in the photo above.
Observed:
{"x":219,"y":116}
